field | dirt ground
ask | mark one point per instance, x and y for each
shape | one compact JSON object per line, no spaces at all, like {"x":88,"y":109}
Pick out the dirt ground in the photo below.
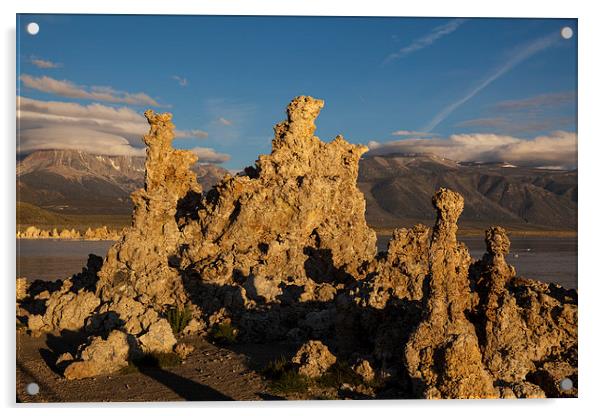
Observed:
{"x":210,"y":373}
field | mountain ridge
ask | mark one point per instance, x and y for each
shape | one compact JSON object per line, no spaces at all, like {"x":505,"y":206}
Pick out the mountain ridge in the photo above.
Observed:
{"x":397,"y":187}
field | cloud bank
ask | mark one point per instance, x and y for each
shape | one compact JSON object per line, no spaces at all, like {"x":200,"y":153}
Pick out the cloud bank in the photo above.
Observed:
{"x":69,"y":89}
{"x":558,"y":149}
{"x":93,"y":128}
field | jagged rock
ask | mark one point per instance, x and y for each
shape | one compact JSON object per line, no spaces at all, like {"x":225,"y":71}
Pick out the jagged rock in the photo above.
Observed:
{"x":443,"y":356}
{"x":526,"y":390}
{"x":364,"y":370}
{"x":22,"y":286}
{"x":313,"y":359}
{"x":506,"y":336}
{"x":65,"y":309}
{"x":283,"y":251}
{"x":297,"y":217}
{"x":100,"y":356}
{"x":194,"y":327}
{"x":138,"y":264}
{"x":159,"y":338}
{"x":551,"y":376}
{"x":183,"y":350}
{"x":100,"y":233}
{"x":519,"y":329}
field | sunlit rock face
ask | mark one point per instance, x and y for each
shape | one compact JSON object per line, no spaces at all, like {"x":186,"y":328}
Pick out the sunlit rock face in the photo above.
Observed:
{"x":297,"y":217}
{"x":283,"y":252}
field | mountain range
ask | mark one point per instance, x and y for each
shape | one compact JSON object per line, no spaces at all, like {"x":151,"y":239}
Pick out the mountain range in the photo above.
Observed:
{"x":398,"y":188}
{"x":76,"y":182}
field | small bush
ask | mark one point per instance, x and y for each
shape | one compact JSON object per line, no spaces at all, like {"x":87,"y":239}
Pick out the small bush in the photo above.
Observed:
{"x":274,"y":369}
{"x":284,"y":378}
{"x":340,"y":373}
{"x":178,"y":319}
{"x":224,"y":333}
{"x":290,"y":382}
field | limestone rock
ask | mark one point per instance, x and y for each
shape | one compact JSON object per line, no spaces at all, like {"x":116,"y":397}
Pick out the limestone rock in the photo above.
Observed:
{"x":100,"y":356}
{"x":183,"y":350}
{"x":22,"y":286}
{"x":159,"y":338}
{"x":65,"y":310}
{"x":283,"y":251}
{"x":313,"y":359}
{"x":443,"y":355}
{"x":297,"y":217}
{"x":364,"y":370}
{"x":194,"y":327}
{"x":138,"y":264}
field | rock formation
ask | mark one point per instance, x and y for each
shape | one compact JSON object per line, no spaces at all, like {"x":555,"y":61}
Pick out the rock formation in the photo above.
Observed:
{"x":443,"y":355}
{"x":283,"y":252}
{"x":296,"y":218}
{"x":313,"y":359}
{"x":527,"y":327}
{"x":100,"y":233}
{"x":101,"y":356}
{"x":137,"y":266}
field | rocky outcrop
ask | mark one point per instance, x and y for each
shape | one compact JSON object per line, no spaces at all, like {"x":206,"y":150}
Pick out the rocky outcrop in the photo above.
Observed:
{"x":100,"y":356}
{"x":100,"y":233}
{"x":296,"y":218}
{"x":283,"y":252}
{"x":442,"y":355}
{"x":526,"y":327}
{"x":65,"y":310}
{"x":313,"y":359}
{"x":138,"y":265}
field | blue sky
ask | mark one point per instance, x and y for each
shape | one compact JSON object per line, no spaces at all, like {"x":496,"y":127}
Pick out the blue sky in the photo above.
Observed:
{"x":397,"y":84}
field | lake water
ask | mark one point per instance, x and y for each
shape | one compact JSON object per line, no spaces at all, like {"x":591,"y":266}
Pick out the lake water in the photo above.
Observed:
{"x":55,"y":259}
{"x":542,"y":258}
{"x":547,"y":259}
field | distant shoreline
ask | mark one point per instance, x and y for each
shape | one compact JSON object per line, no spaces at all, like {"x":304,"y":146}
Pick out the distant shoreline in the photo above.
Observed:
{"x":470,"y":232}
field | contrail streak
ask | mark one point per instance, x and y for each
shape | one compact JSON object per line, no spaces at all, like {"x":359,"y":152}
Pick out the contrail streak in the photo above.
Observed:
{"x":427,"y":40}
{"x":525,"y":53}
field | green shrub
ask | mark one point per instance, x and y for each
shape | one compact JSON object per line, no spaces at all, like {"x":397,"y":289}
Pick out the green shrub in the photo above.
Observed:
{"x":178,"y":319}
{"x":284,"y":378}
{"x":275,"y":368}
{"x":290,"y":382}
{"x":224,"y":333}
{"x":340,"y":373}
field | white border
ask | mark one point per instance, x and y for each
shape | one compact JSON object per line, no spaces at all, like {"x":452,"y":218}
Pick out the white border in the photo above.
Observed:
{"x":590,"y":177}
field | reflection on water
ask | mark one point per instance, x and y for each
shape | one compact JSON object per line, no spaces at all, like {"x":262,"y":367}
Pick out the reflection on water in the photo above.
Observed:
{"x":547,"y":259}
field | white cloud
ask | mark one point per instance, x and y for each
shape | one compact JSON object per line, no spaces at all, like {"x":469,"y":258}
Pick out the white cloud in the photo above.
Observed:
{"x":198,"y":134}
{"x":68,"y":89}
{"x":208,"y":155}
{"x":428,"y":39}
{"x":556,"y":149}
{"x":224,"y":121}
{"x":182,"y":81}
{"x":75,"y":138}
{"x":45,"y":64}
{"x":412,"y":133}
{"x":93,"y":128}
